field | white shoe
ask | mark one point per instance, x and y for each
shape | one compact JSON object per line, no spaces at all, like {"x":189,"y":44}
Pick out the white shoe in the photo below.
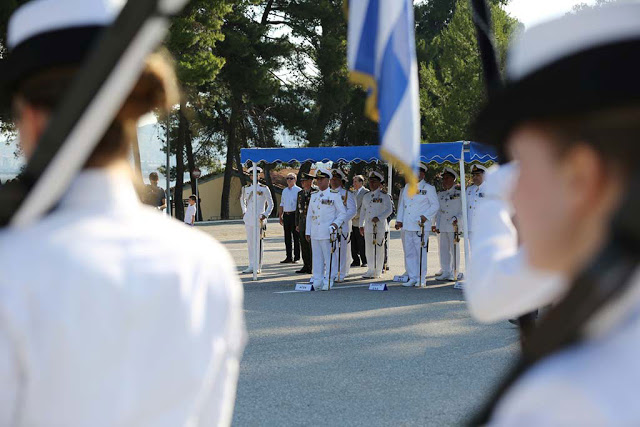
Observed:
{"x":420,"y":285}
{"x":442,"y":276}
{"x":367,"y":276}
{"x":409,"y":284}
{"x":248,"y":270}
{"x":439,"y":273}
{"x":325,"y":287}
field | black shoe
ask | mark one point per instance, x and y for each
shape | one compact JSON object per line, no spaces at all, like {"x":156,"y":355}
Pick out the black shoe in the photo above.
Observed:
{"x":363,"y":265}
{"x":287,"y":261}
{"x":297,"y":260}
{"x":355,"y":264}
{"x":302,"y":271}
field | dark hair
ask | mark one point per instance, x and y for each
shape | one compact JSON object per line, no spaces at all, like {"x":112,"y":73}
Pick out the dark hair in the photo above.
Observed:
{"x":156,"y":88}
{"x":153,"y":176}
{"x":192,"y":198}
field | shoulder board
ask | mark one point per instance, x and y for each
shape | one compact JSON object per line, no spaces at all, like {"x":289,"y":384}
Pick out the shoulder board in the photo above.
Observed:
{"x":262,"y":185}
{"x":248,"y":185}
{"x":335,"y":191}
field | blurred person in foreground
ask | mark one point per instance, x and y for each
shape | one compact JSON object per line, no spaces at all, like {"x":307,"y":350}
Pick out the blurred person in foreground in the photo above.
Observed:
{"x":568,"y":117}
{"x":104,"y":320}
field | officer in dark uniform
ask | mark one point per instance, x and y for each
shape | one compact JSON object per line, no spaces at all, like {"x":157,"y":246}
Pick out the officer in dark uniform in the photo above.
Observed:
{"x":304,"y":197}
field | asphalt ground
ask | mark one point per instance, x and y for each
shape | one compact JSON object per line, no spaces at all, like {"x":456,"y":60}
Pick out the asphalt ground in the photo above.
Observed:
{"x":354,"y":357}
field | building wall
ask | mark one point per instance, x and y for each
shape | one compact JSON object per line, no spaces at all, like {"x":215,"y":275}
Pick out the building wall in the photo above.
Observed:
{"x":210,"y":190}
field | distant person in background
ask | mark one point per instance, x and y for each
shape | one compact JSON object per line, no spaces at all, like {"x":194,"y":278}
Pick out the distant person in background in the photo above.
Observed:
{"x":357,"y":241}
{"x":304,"y":197}
{"x":190,"y":213}
{"x":155,"y":195}
{"x":287,"y":213}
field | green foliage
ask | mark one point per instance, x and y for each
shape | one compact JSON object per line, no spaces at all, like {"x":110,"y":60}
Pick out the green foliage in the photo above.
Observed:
{"x":451,"y":84}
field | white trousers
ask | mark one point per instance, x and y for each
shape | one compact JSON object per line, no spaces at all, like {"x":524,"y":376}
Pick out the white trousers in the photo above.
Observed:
{"x":412,"y":249}
{"x":321,"y":250}
{"x":251,"y":244}
{"x":446,"y":253}
{"x":345,"y":257}
{"x":375,"y":254}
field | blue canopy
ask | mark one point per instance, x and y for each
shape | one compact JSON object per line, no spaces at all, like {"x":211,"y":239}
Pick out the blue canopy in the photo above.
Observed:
{"x":435,"y":152}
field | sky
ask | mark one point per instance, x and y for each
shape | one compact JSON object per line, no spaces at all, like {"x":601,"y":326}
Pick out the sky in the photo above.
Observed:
{"x":531,"y":12}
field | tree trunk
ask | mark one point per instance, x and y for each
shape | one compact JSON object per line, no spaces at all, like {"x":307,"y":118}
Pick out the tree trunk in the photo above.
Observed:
{"x":304,"y":168}
{"x":192,"y":166}
{"x":269,"y":181}
{"x":231,"y":153}
{"x":180,"y":143}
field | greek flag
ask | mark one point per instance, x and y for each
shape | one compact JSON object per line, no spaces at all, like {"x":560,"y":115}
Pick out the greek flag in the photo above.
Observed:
{"x":381,"y":55}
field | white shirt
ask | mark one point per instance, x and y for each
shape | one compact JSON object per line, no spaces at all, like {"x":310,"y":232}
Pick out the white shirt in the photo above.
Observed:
{"x":474,"y":194}
{"x":592,"y":384}
{"x":265,"y":203}
{"x":450,"y":210}
{"x":289,"y":199}
{"x":424,"y":203}
{"x":116,"y":316}
{"x":189,"y":214}
{"x":375,"y":204}
{"x":325,"y":208}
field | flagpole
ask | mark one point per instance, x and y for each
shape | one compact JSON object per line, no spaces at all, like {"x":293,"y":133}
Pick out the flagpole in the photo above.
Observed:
{"x":465,"y":216}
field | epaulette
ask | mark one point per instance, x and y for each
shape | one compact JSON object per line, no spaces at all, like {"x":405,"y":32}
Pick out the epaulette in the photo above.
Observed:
{"x":261,"y":185}
{"x":334,"y":191}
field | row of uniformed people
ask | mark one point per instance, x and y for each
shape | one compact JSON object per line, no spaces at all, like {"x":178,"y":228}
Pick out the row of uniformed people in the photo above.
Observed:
{"x":443,"y":210}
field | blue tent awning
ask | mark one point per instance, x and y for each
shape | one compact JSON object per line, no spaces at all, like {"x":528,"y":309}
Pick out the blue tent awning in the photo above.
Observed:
{"x":435,"y":152}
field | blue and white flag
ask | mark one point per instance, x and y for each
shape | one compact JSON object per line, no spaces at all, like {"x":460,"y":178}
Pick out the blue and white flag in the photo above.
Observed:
{"x":381,"y":55}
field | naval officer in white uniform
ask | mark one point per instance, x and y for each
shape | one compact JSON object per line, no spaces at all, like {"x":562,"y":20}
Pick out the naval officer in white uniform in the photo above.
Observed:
{"x":475,"y":193}
{"x":448,"y":217}
{"x":376,"y":208}
{"x":337,"y":183}
{"x":325,"y":215}
{"x":110,"y":314}
{"x":415,"y":215}
{"x":265,"y":206}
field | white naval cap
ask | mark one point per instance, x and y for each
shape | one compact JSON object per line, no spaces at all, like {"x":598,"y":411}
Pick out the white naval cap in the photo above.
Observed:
{"x":323,"y":173}
{"x":378,"y":175}
{"x":478,"y":168}
{"x":258,"y":168}
{"x":44,"y":34}
{"x":39,"y":17}
{"x":452,"y":172}
{"x":338,"y":171}
{"x":423,"y":166}
{"x":577,"y":64}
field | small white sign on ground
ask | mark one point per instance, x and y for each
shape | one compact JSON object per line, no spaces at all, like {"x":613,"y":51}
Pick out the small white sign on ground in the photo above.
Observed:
{"x":378,"y":287}
{"x":304,"y":287}
{"x":458,"y":285}
{"x":402,"y":279}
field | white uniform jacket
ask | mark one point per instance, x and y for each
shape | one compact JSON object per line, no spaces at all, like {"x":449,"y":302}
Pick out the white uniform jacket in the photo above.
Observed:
{"x":114,"y":314}
{"x":425,"y":202}
{"x":358,"y":195}
{"x":351,"y":208}
{"x":450,"y":210}
{"x":474,"y":195}
{"x":325,"y":208}
{"x":594,"y":383}
{"x":375,"y":204}
{"x":265,"y":203}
